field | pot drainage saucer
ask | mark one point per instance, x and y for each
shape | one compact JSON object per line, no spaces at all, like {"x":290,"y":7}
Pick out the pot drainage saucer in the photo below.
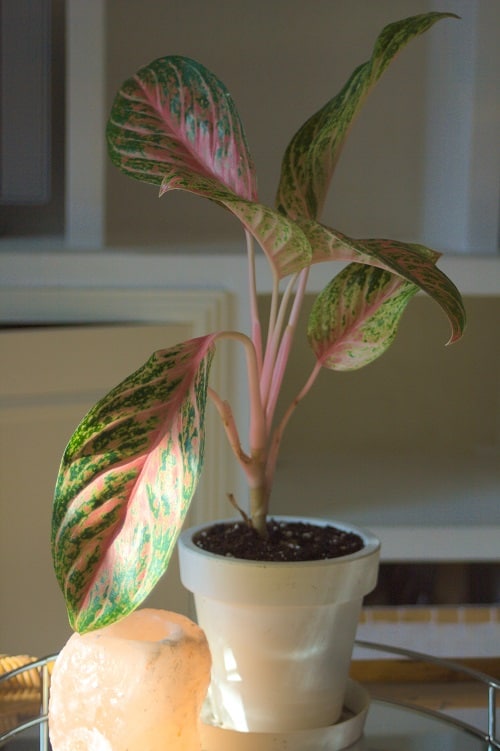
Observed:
{"x":332,"y":738}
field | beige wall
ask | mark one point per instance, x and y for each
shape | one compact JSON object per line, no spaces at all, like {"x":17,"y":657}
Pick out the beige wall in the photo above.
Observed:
{"x":281,"y":60}
{"x":418,"y":394}
{"x":410,"y":439}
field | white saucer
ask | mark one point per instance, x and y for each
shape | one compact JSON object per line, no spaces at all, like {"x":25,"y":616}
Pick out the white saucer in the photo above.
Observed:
{"x":332,"y":738}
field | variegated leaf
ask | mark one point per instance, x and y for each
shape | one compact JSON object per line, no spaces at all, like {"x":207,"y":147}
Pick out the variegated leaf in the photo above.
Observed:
{"x":283,"y":242}
{"x":176,"y":113}
{"x":313,"y":152}
{"x":125,"y":483}
{"x":354,"y":320}
{"x":411,"y":261}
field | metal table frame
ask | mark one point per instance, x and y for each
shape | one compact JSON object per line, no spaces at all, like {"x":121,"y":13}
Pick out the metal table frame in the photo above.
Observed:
{"x":491,"y":685}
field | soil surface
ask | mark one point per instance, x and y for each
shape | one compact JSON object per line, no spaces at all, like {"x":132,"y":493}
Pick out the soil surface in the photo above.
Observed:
{"x":287,"y":541}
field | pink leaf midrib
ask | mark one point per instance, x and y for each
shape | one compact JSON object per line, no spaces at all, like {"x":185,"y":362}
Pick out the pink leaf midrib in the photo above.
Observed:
{"x":164,"y":116}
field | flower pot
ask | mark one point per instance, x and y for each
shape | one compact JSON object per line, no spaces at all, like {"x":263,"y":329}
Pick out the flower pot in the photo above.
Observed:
{"x":280,"y":634}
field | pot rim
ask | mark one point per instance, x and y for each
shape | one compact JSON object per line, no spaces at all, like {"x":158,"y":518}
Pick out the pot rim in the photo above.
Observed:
{"x":241,"y":581}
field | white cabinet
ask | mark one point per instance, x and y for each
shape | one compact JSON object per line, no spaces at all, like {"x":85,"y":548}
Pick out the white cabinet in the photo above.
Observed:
{"x":50,"y":376}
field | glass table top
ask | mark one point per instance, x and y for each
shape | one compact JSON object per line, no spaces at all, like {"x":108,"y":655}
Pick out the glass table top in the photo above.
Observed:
{"x":389,"y":727}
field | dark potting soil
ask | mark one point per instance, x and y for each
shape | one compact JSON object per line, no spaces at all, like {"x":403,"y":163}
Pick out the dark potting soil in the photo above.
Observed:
{"x":286,"y":541}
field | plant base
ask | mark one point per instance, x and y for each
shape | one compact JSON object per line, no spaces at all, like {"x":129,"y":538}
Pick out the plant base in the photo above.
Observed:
{"x":342,"y":734}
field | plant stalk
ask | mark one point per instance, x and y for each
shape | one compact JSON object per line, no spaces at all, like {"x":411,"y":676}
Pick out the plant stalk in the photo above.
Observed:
{"x":274,"y":337}
{"x":254,"y":463}
{"x":285,"y":347}
{"x":256,"y":333}
{"x":259,"y":506}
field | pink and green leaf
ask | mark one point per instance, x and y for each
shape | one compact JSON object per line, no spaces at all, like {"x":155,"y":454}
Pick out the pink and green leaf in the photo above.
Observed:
{"x":355,"y":319}
{"x":125,"y":483}
{"x":411,"y":261}
{"x":174,"y":113}
{"x":284,"y":243}
{"x":313,"y":152}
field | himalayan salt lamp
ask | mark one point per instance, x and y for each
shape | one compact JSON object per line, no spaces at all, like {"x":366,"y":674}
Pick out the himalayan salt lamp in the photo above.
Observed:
{"x":137,"y":684}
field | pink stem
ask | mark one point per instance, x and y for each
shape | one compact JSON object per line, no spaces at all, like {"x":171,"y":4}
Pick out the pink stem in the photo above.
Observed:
{"x":258,"y":431}
{"x":273,"y":338}
{"x":256,"y":332}
{"x":255,"y":463}
{"x":271,"y":327}
{"x":285,"y":347}
{"x":255,"y":472}
{"x":227,"y":417}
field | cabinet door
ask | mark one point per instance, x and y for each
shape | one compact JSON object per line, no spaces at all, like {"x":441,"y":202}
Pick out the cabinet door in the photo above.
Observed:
{"x":50,"y":377}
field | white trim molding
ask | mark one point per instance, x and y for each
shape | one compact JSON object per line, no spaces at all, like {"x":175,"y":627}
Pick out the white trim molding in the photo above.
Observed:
{"x":462,"y":159}
{"x":412,"y":544}
{"x":85,"y":123}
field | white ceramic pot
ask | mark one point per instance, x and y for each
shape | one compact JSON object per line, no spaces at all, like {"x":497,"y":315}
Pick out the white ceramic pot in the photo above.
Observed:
{"x":281,"y":634}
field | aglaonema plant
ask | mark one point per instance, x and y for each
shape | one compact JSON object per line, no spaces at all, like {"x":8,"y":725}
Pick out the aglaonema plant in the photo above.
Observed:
{"x":130,"y":470}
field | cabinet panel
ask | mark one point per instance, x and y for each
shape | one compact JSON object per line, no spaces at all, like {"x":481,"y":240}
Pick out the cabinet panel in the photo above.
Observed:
{"x":49,"y":378}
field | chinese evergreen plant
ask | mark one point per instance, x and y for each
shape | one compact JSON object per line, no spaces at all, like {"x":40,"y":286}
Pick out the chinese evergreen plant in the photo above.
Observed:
{"x":130,"y":469}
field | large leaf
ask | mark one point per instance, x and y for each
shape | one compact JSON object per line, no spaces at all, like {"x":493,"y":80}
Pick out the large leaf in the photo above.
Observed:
{"x":125,"y":483}
{"x":354,"y":320}
{"x":176,"y":113}
{"x":313,"y":152}
{"x":283,"y":242}
{"x":411,"y":261}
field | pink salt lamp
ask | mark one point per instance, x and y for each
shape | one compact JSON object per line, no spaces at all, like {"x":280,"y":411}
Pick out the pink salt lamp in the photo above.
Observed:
{"x":137,"y":684}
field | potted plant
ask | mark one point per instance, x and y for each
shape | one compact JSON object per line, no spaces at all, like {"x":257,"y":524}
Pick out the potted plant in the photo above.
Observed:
{"x":130,"y":470}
